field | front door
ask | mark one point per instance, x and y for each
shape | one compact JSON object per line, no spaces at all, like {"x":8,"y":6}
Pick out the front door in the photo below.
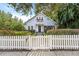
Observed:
{"x":39,"y":28}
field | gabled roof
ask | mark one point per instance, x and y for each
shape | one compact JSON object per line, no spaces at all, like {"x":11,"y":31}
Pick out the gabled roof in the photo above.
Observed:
{"x":38,"y":14}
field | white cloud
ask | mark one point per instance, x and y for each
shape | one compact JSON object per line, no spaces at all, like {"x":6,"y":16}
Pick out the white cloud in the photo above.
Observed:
{"x":24,"y":18}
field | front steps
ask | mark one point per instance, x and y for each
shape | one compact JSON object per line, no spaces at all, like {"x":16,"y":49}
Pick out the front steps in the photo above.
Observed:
{"x":39,"y":33}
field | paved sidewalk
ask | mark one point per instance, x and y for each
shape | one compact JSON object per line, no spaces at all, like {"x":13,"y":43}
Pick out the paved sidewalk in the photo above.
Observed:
{"x":39,"y":53}
{"x":53,"y":53}
{"x":14,"y":53}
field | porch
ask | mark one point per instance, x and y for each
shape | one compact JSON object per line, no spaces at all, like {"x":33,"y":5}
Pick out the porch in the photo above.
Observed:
{"x":41,"y":29}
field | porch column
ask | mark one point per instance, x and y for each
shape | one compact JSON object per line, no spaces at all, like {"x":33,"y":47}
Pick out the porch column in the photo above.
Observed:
{"x":36,"y":28}
{"x":42,"y":28}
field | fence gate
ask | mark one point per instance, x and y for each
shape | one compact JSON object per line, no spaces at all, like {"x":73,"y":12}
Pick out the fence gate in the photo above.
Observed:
{"x":39,"y":42}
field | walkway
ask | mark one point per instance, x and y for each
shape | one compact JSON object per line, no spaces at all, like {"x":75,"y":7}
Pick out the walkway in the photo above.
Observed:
{"x":39,"y":53}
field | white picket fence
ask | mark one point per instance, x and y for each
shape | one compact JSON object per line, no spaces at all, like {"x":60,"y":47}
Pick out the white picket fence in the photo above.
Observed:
{"x":40,"y":42}
{"x":14,"y":42}
{"x":65,"y":42}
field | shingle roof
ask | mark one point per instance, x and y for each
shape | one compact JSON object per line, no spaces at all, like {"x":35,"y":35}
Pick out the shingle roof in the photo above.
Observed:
{"x":38,"y":14}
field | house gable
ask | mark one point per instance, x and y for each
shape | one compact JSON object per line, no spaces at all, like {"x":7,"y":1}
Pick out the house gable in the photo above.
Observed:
{"x":46,"y":20}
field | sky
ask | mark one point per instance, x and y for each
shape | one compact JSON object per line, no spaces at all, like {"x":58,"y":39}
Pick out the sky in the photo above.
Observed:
{"x":4,"y":7}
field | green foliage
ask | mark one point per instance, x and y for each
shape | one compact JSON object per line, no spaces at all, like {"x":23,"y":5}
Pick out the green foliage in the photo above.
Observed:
{"x":23,"y":33}
{"x":14,"y":33}
{"x":65,"y":14}
{"x":6,"y":32}
{"x":51,"y":9}
{"x":63,"y":32}
{"x":68,"y":16}
{"x":9,"y":23}
{"x":23,"y":8}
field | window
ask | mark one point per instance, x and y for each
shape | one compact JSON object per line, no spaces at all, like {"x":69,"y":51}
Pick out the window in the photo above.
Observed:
{"x":31,"y":27}
{"x":39,"y":19}
{"x":28,"y":27}
{"x":42,"y":19}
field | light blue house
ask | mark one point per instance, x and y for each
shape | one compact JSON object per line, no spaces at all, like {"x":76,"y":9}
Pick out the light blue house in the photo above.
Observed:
{"x":40,"y":23}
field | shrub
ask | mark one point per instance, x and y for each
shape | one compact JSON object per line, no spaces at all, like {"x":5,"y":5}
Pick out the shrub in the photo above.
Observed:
{"x":23,"y":33}
{"x":63,"y":32}
{"x":14,"y":33}
{"x":6,"y":32}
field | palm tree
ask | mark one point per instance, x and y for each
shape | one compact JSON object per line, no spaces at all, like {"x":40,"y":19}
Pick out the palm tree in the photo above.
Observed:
{"x":68,"y":15}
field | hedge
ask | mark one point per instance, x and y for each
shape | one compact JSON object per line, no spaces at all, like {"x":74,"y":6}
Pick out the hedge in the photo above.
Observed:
{"x":23,"y":33}
{"x":49,"y":32}
{"x":13,"y":33}
{"x":63,"y":32}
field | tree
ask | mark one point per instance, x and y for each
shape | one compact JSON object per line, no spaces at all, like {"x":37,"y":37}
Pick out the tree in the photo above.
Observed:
{"x":23,"y":8}
{"x":68,"y":16}
{"x":9,"y":23}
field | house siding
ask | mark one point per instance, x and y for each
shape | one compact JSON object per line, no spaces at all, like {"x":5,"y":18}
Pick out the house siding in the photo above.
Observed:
{"x":46,"y":22}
